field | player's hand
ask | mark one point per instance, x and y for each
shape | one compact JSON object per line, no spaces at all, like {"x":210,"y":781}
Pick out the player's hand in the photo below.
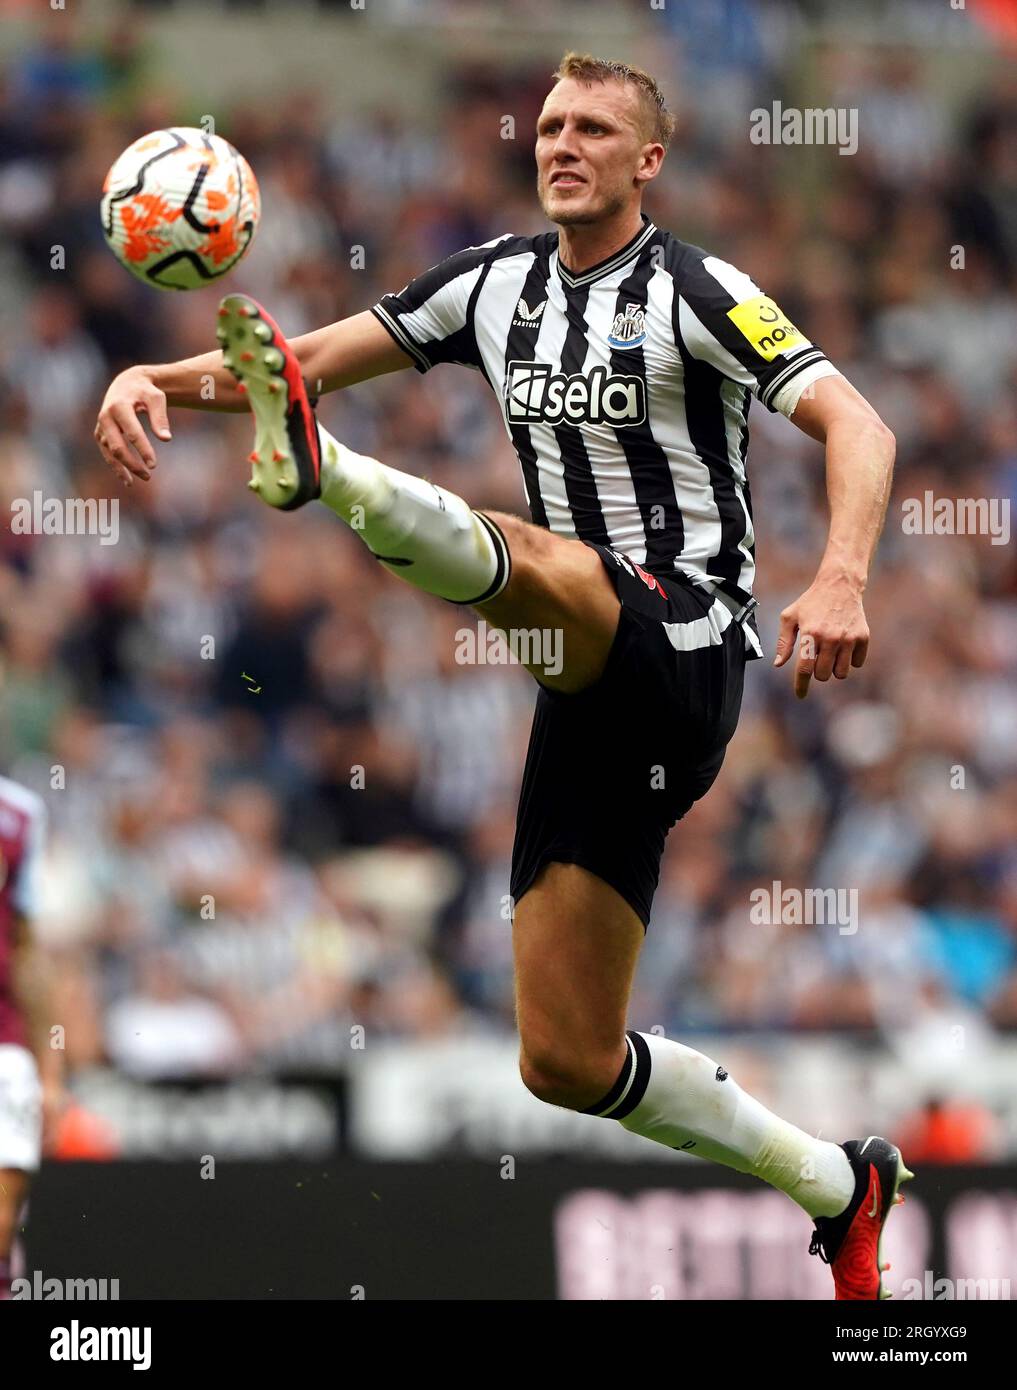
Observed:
{"x":119,"y":432}
{"x":834,"y":634}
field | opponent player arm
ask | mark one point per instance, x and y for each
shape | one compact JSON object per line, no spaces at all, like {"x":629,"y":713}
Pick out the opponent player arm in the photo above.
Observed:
{"x":859,"y":469}
{"x":341,"y":354}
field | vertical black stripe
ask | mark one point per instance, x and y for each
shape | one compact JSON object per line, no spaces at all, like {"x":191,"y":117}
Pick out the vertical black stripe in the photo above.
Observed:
{"x":471,"y":318}
{"x":580,"y":488}
{"x":521,"y":346}
{"x":750,"y":621}
{"x":704,"y":413}
{"x":647,"y":461}
{"x":746,"y":493}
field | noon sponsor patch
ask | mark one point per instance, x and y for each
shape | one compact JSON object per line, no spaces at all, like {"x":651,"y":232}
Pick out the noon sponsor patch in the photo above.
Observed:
{"x":767,"y":327}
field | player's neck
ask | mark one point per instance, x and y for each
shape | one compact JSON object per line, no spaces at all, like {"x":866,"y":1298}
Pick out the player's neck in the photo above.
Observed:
{"x":587,"y":244}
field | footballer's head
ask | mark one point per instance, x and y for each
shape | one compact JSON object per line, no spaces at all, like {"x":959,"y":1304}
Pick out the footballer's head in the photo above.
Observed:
{"x":601,"y":137}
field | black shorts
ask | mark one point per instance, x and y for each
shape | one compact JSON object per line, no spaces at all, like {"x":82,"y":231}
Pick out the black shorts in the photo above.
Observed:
{"x":610,"y":770}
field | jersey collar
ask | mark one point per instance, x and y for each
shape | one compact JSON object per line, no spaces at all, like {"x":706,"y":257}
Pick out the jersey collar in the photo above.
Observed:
{"x":595,"y":272}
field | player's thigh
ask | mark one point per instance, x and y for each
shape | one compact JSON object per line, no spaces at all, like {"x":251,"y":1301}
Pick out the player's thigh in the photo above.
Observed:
{"x":576,"y":943}
{"x":559,"y":590}
{"x":13,"y":1193}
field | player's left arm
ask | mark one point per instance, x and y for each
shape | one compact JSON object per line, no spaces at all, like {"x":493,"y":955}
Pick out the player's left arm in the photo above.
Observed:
{"x":721,"y":317}
{"x":829,"y":616}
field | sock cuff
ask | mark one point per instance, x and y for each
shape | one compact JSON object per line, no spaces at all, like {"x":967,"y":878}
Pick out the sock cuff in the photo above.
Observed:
{"x":630,"y":1087}
{"x":503,"y":562}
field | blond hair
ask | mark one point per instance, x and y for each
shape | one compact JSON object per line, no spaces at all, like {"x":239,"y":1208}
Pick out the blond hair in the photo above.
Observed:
{"x":584,"y":67}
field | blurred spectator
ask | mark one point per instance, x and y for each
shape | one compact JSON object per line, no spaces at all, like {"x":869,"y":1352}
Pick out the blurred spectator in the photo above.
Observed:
{"x":949,"y":1132}
{"x":161,"y":1030}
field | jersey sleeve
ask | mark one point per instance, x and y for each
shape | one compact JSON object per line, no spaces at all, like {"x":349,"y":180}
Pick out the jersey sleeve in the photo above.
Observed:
{"x":725,"y":319}
{"x":431,"y":318}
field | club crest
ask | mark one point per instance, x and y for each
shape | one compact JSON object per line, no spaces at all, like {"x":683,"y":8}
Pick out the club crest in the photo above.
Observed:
{"x":629,"y":328}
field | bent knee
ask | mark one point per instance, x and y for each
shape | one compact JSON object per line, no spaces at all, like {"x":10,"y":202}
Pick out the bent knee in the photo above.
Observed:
{"x":566,"y":577}
{"x":566,"y":1079}
{"x":528,"y":545}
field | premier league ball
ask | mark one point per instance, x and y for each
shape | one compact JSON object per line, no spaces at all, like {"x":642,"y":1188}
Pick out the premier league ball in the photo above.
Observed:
{"x":180,"y":208}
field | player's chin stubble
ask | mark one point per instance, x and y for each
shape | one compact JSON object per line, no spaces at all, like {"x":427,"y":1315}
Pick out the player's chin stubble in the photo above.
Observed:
{"x":565,"y":216}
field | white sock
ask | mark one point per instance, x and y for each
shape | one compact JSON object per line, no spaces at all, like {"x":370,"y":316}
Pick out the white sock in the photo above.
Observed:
{"x":425,"y":535}
{"x":671,"y":1094}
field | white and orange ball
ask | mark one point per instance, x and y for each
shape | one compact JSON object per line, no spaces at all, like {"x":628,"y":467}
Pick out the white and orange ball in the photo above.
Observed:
{"x":180,"y":208}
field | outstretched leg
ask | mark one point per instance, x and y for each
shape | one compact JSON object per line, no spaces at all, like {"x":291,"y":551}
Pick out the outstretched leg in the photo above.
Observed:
{"x":520,"y":577}
{"x":547,"y":593}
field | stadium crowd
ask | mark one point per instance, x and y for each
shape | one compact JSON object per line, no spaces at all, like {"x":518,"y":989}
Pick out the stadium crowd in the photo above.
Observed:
{"x":279,"y":805}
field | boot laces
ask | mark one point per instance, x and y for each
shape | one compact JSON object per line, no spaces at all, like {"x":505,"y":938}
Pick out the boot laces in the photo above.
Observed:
{"x":816,"y":1247}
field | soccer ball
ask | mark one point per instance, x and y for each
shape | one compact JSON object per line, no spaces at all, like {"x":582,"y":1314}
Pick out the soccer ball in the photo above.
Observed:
{"x":180,"y":208}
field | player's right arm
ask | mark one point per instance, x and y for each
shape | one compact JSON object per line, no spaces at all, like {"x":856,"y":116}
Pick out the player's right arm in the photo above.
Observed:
{"x":341,"y":354}
{"x":429,"y":321}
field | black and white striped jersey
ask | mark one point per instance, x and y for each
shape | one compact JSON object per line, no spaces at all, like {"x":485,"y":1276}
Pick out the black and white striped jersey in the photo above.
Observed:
{"x":625,"y":389}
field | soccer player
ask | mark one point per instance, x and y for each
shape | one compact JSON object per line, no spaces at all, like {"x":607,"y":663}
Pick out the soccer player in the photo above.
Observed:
{"x":30,"y":1073}
{"x":623,"y":361}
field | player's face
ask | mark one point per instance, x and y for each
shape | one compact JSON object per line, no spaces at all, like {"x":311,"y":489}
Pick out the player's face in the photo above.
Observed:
{"x":589,"y":150}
